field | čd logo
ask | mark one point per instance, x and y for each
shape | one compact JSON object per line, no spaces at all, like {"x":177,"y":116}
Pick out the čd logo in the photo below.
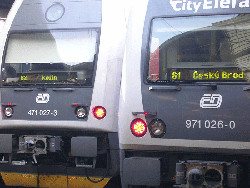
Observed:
{"x":211,"y":101}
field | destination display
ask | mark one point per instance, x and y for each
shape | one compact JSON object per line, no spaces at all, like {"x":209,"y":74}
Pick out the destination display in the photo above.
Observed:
{"x":207,"y":74}
{"x":48,"y":77}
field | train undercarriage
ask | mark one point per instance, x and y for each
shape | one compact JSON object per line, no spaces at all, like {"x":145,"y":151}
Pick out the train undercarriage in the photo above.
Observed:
{"x":88,"y":160}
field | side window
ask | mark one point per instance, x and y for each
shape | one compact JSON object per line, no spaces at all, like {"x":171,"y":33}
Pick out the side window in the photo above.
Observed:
{"x":202,"y":48}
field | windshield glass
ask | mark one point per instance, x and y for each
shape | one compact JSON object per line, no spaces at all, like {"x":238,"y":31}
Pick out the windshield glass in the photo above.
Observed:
{"x":55,"y":57}
{"x":201,"y":48}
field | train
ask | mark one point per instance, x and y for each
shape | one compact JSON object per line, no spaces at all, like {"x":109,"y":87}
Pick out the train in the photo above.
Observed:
{"x":152,"y":91}
{"x":183,"y":110}
{"x":60,"y":82}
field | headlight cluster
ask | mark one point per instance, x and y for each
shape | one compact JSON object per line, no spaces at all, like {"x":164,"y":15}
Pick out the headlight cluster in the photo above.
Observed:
{"x":8,"y":111}
{"x":156,"y":127}
{"x":55,"y":12}
{"x":81,"y":112}
{"x":99,"y":112}
{"x":138,"y":127}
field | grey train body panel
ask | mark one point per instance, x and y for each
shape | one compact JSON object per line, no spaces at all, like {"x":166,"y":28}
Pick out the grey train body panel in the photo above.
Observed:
{"x":63,"y":95}
{"x":73,"y":19}
{"x":176,"y":107}
{"x":177,"y":103}
{"x":64,"y":110}
{"x":36,"y":21}
{"x":74,"y":16}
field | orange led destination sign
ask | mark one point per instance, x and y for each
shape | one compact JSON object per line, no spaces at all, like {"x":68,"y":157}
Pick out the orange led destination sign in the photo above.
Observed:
{"x":233,"y":74}
{"x":41,"y":77}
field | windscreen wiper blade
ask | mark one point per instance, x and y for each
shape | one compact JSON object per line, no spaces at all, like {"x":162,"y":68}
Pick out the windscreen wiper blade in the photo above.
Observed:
{"x":165,"y":88}
{"x":23,"y":89}
{"x":12,"y":84}
{"x":177,"y":87}
{"x":212,"y":85}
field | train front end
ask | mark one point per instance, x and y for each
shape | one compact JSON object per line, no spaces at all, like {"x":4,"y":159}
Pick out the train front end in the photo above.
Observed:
{"x":184,"y":113}
{"x":58,"y":93}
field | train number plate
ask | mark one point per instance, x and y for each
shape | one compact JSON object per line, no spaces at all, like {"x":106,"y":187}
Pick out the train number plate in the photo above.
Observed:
{"x":210,"y":124}
{"x":42,"y":112}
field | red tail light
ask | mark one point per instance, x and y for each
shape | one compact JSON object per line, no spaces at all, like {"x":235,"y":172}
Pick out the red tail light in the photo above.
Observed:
{"x":99,"y":112}
{"x":138,"y":127}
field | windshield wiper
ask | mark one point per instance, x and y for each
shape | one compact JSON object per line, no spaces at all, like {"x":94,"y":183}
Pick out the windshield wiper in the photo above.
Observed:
{"x":12,"y":84}
{"x":43,"y":88}
{"x":23,"y":89}
{"x":212,"y":85}
{"x":176,"y":86}
{"x":165,"y":88}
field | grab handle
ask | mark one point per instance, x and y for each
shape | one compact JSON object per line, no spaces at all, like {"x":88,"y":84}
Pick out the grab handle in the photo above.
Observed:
{"x":164,"y":88}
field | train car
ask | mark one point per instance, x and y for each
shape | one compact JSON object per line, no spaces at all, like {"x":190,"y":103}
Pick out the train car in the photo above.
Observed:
{"x":60,"y":77}
{"x":183,"y":114}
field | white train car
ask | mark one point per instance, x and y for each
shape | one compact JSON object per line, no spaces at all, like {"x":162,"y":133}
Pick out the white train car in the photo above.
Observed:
{"x":60,"y":81}
{"x":184,"y":113}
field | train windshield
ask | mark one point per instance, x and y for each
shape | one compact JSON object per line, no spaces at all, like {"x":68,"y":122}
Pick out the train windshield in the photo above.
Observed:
{"x":200,"y":48}
{"x":56,"y":57}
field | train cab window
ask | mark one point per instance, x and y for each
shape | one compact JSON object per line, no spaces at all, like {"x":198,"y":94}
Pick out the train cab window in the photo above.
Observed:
{"x":200,"y":48}
{"x":58,"y":57}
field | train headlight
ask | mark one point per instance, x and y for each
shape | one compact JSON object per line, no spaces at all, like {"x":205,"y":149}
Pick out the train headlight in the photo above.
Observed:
{"x":81,"y":112}
{"x":55,"y":12}
{"x":99,"y":112}
{"x":8,"y":111}
{"x":157,"y":128}
{"x":138,"y":127}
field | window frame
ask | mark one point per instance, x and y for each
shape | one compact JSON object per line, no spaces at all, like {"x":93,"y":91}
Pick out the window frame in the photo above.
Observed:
{"x":146,"y":69}
{"x":50,"y":85}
